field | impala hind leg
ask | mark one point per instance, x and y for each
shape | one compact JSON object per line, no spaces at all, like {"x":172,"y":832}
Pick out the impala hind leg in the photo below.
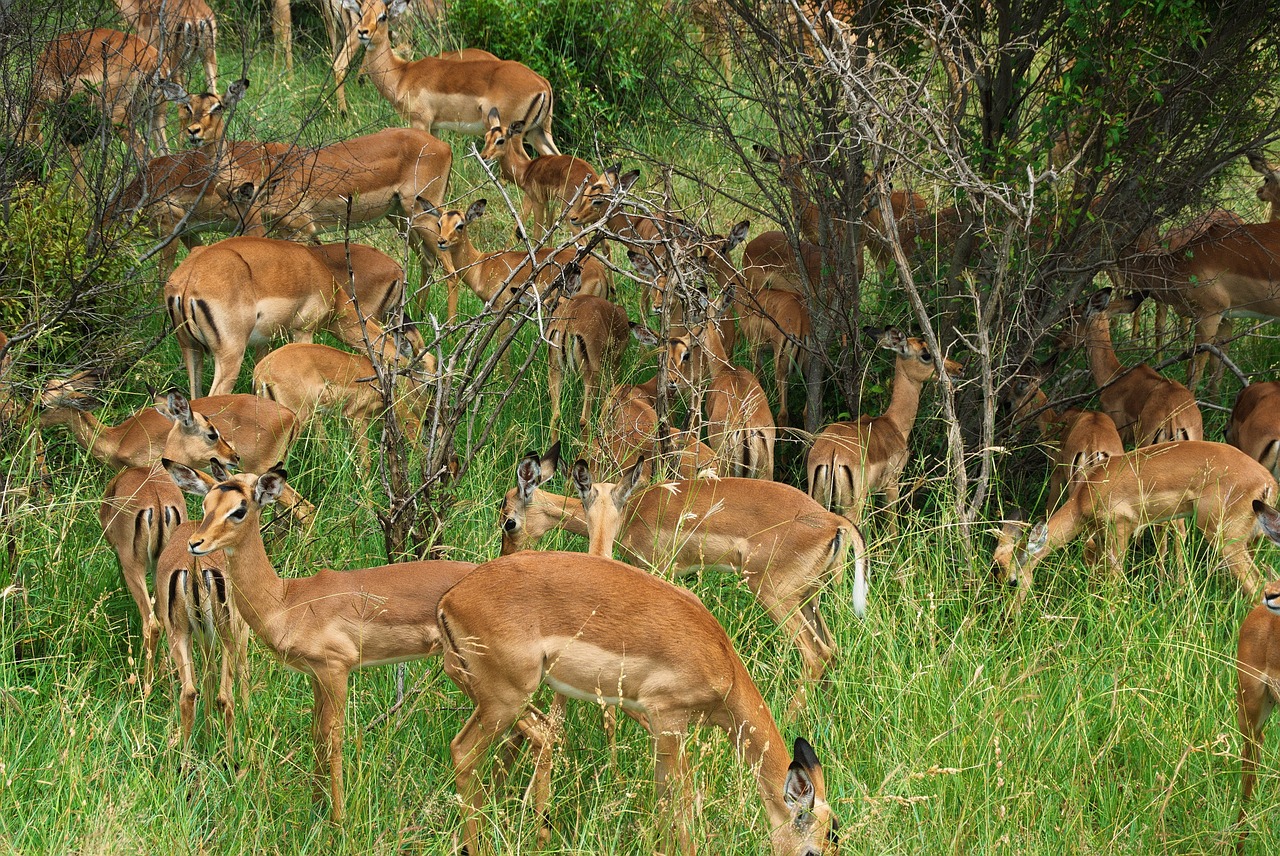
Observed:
{"x":1253,"y":706}
{"x":468,"y":749}
{"x":671,"y":787}
{"x":539,"y":733}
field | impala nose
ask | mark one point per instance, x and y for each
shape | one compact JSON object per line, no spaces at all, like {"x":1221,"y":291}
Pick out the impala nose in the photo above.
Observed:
{"x":194,"y":545}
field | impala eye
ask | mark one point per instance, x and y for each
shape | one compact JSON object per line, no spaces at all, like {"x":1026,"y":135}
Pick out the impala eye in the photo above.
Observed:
{"x":927,"y":357}
{"x":510,"y":524}
{"x":239,"y":513}
{"x":213,"y":436}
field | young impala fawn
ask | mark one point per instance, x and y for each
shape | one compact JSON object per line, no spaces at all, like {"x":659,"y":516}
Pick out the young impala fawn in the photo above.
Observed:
{"x":326,"y":625}
{"x":850,"y":461}
{"x":601,"y":631}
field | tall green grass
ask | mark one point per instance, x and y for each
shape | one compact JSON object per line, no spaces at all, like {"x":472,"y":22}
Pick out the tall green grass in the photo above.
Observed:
{"x":1099,"y":721}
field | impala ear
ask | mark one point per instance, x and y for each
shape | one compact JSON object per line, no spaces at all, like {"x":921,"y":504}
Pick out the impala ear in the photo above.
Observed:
{"x":396,"y":8}
{"x":766,"y":154}
{"x":626,"y":181}
{"x":737,"y":235}
{"x":1098,"y":303}
{"x":187,"y":479}
{"x":476,"y":209}
{"x":1268,"y":519}
{"x":580,"y":475}
{"x":235,"y":92}
{"x":550,"y":461}
{"x":528,"y":476}
{"x":429,"y":208}
{"x":495,"y":119}
{"x":628,"y":485}
{"x":174,"y":93}
{"x":352,"y":6}
{"x":643,"y":264}
{"x":269,"y":486}
{"x":1258,"y":163}
{"x":643,"y":334}
{"x":176,"y":408}
{"x":516,"y":129}
{"x":804,"y":777}
{"x":219,"y":472}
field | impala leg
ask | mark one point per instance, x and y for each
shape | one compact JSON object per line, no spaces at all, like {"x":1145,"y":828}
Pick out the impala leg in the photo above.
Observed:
{"x":892,"y":491}
{"x":227,"y":360}
{"x":1206,"y":331}
{"x":1253,"y":706}
{"x":540,"y":735}
{"x":135,"y":579}
{"x":1234,"y":542}
{"x":180,"y":651}
{"x":1225,"y":329}
{"x":1116,"y":545}
{"x":330,"y":694}
{"x":671,"y":786}
{"x":781,"y":372}
{"x":468,"y":749}
{"x":590,"y":379}
{"x":227,"y":682}
{"x":555,"y":385}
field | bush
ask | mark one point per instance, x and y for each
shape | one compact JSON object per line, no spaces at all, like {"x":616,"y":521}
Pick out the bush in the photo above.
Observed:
{"x":605,"y":61}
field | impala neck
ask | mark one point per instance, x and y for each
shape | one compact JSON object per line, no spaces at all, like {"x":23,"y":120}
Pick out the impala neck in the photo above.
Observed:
{"x":384,"y":68}
{"x":515,"y":161}
{"x":1102,"y":355}
{"x":904,"y":404}
{"x":469,"y":263}
{"x":754,"y":733}
{"x":257,"y":589}
{"x":101,"y":441}
{"x":559,"y":512}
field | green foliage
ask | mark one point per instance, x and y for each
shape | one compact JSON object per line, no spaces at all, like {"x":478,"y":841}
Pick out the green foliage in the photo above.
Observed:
{"x":45,"y":268}
{"x":605,"y":61}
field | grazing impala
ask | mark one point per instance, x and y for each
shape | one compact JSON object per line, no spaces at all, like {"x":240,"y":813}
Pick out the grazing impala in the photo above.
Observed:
{"x":486,"y":274}
{"x":301,"y":192}
{"x":195,"y":607}
{"x":308,"y":379}
{"x":1254,"y":427}
{"x":326,"y":625}
{"x":140,"y":512}
{"x":1213,"y":484}
{"x":586,"y":627}
{"x":629,"y":433}
{"x":1146,"y":407}
{"x":118,"y":68}
{"x":1257,"y":673}
{"x":786,"y":547}
{"x":452,"y":95}
{"x":179,"y":30}
{"x":245,"y":291}
{"x":545,"y":182}
{"x":236,"y":430}
{"x":1078,"y":439}
{"x":850,"y":461}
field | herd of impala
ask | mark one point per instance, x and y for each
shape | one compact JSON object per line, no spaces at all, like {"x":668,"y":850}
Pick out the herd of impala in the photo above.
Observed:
{"x":585,"y":625}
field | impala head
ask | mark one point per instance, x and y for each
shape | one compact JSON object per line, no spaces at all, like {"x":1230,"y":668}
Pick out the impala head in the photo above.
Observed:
{"x":811,"y":828}
{"x":63,"y":398}
{"x":646,"y":268}
{"x":1094,"y":311}
{"x":232,"y":504}
{"x":1009,"y":539}
{"x":713,"y":256}
{"x":1022,"y":396}
{"x":522,"y":518}
{"x":790,"y":167}
{"x":1269,"y":523}
{"x":452,"y":225}
{"x":373,"y":16}
{"x":1270,"y":190}
{"x":498,"y":139}
{"x":204,"y":116}
{"x":601,"y":195}
{"x":193,"y":438}
{"x":914,"y":356}
{"x":604,"y":504}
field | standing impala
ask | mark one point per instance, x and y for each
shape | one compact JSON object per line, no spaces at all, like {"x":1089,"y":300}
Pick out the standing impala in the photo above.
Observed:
{"x":544,"y":182}
{"x":1269,"y":192}
{"x":1257,"y":673}
{"x":628,"y":433}
{"x":850,"y":461}
{"x":786,"y":547}
{"x":1146,"y":407}
{"x":1213,"y":484}
{"x":451,"y":95}
{"x":244,"y":291}
{"x":326,"y":625}
{"x":140,"y":513}
{"x":598,"y":630}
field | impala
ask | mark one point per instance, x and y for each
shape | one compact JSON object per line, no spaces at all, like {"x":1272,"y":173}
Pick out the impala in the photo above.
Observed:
{"x":1257,"y":672}
{"x":326,"y":625}
{"x":178,"y":29}
{"x":585,"y":626}
{"x":195,"y":607}
{"x":602,"y":202}
{"x":1211,"y":483}
{"x":118,"y":68}
{"x":245,"y":291}
{"x":1269,"y":192}
{"x":1228,"y":272}
{"x":769,"y":262}
{"x":140,"y":512}
{"x":850,"y":461}
{"x":545,"y":182}
{"x":244,"y":430}
{"x":1254,"y":427}
{"x":450,"y":94}
{"x":629,"y":433}
{"x":779,"y":321}
{"x":740,"y":426}
{"x":310,"y":379}
{"x":1146,"y":407}
{"x":1078,"y":439}
{"x":487,"y":274}
{"x":785,"y":546}
{"x":586,"y":335}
